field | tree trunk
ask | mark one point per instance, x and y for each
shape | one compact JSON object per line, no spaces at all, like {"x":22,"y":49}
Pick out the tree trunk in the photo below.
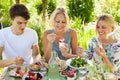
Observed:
{"x":17,"y":1}
{"x":44,"y":6}
{"x":1,"y":25}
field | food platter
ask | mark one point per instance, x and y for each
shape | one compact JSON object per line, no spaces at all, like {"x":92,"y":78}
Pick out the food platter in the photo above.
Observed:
{"x":87,"y":62}
{"x":34,"y":66}
{"x":16,"y":73}
{"x":33,"y":75}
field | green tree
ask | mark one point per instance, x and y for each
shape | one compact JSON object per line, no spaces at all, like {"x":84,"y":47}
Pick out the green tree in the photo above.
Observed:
{"x":17,"y":1}
{"x":81,"y":8}
{"x":5,"y":5}
{"x":108,"y":6}
{"x":45,"y":7}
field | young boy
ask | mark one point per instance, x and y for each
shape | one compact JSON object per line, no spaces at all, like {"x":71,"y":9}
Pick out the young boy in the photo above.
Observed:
{"x":18,"y":43}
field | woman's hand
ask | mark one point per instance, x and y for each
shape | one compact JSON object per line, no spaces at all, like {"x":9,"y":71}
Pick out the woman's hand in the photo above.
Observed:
{"x":18,"y":61}
{"x":64,"y":49}
{"x":51,"y":37}
{"x":100,"y":51}
{"x":80,"y":51}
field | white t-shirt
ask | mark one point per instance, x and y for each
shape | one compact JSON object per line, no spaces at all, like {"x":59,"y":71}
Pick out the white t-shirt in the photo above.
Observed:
{"x":18,"y":45}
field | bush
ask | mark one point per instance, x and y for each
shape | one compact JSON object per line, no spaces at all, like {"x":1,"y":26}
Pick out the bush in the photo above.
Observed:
{"x":106,"y":6}
{"x":84,"y":32}
{"x":51,"y":5}
{"x":1,"y":10}
{"x":82,"y":9}
{"x":38,"y":6}
{"x":38,"y":25}
{"x":5,"y":14}
{"x":39,"y":30}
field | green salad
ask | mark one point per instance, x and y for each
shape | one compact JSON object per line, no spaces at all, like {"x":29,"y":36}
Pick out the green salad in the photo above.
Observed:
{"x":78,"y":62}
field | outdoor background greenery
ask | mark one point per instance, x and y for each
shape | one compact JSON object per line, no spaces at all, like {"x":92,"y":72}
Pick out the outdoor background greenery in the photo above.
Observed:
{"x":82,"y":14}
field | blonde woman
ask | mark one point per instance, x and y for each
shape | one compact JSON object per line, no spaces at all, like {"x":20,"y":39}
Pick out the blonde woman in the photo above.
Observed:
{"x":101,"y":47}
{"x":60,"y":33}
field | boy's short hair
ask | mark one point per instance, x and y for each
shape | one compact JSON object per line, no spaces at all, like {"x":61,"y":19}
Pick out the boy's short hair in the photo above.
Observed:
{"x":19,"y":10}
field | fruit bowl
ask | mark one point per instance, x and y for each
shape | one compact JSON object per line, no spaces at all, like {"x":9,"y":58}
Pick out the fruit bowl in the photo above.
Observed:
{"x":18,"y":72}
{"x":33,"y":75}
{"x":35,"y":66}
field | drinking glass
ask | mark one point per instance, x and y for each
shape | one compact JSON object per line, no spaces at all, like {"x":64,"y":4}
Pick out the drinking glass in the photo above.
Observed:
{"x":43,"y":68}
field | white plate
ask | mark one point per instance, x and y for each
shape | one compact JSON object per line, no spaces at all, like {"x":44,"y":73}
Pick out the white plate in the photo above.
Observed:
{"x":13,"y":73}
{"x":68,"y":61}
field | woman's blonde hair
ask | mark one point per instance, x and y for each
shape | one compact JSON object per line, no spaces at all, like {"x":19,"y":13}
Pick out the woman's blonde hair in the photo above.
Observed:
{"x":107,"y":18}
{"x":57,"y":11}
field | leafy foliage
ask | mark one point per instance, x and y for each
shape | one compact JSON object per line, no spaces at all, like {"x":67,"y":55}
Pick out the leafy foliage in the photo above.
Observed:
{"x":39,"y":30}
{"x":38,"y":6}
{"x":4,"y":10}
{"x":39,"y":26}
{"x":81,"y":8}
{"x":1,"y":10}
{"x":78,"y":62}
{"x":84,"y":34}
{"x":51,"y":5}
{"x":106,"y":6}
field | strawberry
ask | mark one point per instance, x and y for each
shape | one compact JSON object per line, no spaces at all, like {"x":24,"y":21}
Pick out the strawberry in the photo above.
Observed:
{"x":73,"y":70}
{"x":34,"y":78}
{"x":61,"y":40}
{"x":70,"y":74}
{"x":19,"y":72}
